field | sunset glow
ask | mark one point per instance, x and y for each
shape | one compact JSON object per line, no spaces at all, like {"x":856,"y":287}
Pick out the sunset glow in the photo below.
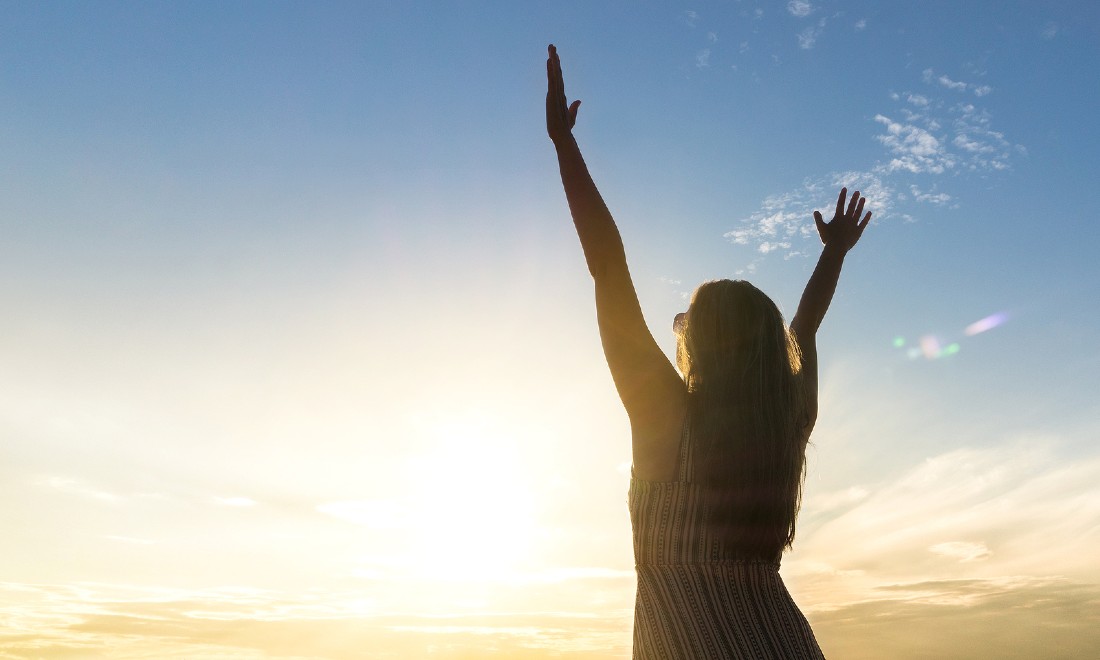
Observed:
{"x":300,"y":356}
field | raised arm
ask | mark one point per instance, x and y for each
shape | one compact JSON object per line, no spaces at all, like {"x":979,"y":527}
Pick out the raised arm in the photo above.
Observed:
{"x":650,"y":388}
{"x":839,"y":235}
{"x":600,"y":240}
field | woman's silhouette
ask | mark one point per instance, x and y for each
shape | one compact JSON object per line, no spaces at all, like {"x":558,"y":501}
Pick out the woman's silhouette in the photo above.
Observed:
{"x":718,"y":454}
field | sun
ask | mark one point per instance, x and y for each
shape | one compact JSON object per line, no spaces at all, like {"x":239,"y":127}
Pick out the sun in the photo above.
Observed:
{"x":472,"y":513}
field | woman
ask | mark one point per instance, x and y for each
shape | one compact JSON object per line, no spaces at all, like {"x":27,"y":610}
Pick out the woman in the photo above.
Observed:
{"x":719,"y":454}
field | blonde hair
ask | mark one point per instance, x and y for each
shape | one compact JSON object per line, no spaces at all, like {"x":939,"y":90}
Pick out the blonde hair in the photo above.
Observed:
{"x":746,"y":411}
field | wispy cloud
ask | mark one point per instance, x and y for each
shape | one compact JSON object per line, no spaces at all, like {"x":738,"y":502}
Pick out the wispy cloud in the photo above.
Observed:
{"x":950,"y":84}
{"x":913,"y":148}
{"x":1000,"y":504}
{"x":100,"y":620}
{"x":376,"y":514}
{"x":1049,"y":31}
{"x":1016,"y":617}
{"x":235,"y":501}
{"x":961,"y":550}
{"x":129,"y":539}
{"x":861,"y":24}
{"x":787,"y":219}
{"x":924,"y":137}
{"x":929,"y":76}
{"x":800,"y":8}
{"x":82,"y":489}
{"x":932,"y":197}
{"x":807,"y":38}
{"x":702,"y":58}
{"x":967,"y":536}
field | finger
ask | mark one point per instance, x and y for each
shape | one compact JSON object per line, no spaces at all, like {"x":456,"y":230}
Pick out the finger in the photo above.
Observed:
{"x":866,"y":219}
{"x":552,"y":74}
{"x":840,"y":203}
{"x":553,"y":60}
{"x":820,"y":222}
{"x":573,"y":108}
{"x":852,"y":204}
{"x":859,"y":207}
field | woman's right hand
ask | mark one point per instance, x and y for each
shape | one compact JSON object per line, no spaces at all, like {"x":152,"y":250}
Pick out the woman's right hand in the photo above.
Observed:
{"x":560,"y":117}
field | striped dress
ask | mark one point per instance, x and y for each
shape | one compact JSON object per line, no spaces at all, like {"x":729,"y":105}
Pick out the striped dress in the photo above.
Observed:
{"x":693,"y":605}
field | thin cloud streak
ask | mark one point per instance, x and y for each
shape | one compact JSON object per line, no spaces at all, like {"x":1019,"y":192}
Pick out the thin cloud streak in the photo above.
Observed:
{"x":96,"y":620}
{"x":1017,"y":618}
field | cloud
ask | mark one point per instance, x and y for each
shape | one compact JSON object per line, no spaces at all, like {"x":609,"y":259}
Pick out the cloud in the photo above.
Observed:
{"x":235,"y":501}
{"x":961,"y":550}
{"x":800,"y":8}
{"x":101,"y":620}
{"x":129,"y":539}
{"x":930,"y":197}
{"x":929,"y":76}
{"x":1049,"y":31}
{"x":377,"y":514}
{"x":985,"y":548}
{"x":923,"y":137}
{"x":807,"y":38}
{"x":939,"y":137}
{"x":951,"y":84}
{"x":689,"y":18}
{"x":861,"y":24}
{"x":702,"y":58}
{"x":914,"y":148}
{"x":827,"y":502}
{"x":81,"y":489}
{"x":786,"y":218}
{"x":1049,"y":618}
{"x":1002,"y":504}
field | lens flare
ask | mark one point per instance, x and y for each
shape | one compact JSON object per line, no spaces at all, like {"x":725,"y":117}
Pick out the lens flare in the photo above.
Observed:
{"x":988,"y":323}
{"x":930,"y":347}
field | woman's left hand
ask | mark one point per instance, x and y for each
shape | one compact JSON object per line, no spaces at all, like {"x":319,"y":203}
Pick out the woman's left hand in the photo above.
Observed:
{"x":560,"y":117}
{"x":844,"y":230}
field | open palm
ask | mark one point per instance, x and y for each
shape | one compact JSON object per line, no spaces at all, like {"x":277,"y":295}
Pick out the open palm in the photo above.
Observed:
{"x":844,"y":230}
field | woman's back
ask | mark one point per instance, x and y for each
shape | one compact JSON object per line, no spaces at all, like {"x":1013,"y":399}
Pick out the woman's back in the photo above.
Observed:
{"x":695,"y":600}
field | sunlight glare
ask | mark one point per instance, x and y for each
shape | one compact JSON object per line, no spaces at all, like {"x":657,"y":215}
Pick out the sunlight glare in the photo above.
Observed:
{"x":473,"y":514}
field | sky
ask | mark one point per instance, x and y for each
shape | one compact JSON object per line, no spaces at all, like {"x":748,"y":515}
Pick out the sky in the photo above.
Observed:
{"x":300,"y":356}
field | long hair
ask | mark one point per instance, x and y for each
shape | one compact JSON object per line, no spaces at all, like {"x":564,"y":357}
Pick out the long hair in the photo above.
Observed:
{"x":746,"y":404}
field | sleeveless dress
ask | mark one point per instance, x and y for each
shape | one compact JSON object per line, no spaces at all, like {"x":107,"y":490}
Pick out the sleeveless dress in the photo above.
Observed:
{"x":691,"y":603}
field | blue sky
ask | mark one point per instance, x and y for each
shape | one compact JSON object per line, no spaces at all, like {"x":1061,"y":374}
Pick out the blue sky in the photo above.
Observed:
{"x":294,"y":301}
